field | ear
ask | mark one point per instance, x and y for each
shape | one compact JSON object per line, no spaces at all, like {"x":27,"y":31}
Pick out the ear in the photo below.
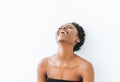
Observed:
{"x":77,"y":40}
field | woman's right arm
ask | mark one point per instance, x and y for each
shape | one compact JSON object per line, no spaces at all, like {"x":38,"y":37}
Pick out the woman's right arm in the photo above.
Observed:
{"x":41,"y":71}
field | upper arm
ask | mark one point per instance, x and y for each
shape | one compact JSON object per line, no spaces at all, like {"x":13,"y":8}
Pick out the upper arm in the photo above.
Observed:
{"x":88,"y":73}
{"x":41,"y":71}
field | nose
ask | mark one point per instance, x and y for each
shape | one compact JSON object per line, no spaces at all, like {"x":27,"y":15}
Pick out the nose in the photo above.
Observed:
{"x":63,"y":27}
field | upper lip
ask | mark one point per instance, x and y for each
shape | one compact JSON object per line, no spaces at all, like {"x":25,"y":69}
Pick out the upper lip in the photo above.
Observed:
{"x":62,"y":31}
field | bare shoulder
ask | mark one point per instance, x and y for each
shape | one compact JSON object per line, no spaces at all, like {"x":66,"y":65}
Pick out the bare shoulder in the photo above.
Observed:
{"x":41,"y":70}
{"x":86,"y":70}
{"x":42,"y":66}
{"x":43,"y":62}
{"x":84,"y":64}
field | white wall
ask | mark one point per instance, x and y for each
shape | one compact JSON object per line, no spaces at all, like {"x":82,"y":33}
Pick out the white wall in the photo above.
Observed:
{"x":27,"y":34}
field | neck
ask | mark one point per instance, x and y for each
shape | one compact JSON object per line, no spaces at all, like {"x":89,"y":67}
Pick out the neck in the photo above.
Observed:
{"x":65,"y":52}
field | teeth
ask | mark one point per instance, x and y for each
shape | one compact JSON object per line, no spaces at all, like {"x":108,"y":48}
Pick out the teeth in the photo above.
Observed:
{"x":64,"y":32}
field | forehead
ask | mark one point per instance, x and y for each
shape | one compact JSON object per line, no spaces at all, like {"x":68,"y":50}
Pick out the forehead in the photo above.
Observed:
{"x":68,"y":24}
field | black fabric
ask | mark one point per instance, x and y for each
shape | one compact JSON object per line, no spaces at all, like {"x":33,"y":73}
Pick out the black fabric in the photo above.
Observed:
{"x":58,"y":80}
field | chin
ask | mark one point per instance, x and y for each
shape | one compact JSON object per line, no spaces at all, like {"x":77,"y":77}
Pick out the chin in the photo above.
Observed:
{"x":61,"y":40}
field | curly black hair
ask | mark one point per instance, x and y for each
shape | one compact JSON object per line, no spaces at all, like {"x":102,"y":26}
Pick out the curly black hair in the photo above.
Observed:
{"x":81,"y":35}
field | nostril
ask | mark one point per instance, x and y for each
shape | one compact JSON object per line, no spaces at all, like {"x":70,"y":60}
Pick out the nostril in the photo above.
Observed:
{"x":64,"y":28}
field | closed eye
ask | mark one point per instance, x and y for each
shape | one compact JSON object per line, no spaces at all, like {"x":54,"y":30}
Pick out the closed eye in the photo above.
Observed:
{"x":70,"y":27}
{"x":59,"y":28}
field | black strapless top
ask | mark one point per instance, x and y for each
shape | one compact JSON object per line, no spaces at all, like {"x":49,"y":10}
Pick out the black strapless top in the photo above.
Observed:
{"x":59,"y":80}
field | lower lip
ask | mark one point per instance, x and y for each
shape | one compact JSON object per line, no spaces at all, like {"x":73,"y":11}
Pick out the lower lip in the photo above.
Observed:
{"x":63,"y":33}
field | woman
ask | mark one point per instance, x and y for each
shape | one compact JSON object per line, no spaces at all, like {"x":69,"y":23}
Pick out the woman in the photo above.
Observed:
{"x":65,"y":65}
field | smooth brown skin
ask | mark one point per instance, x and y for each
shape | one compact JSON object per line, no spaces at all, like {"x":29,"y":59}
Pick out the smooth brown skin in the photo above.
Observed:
{"x":64,"y":64}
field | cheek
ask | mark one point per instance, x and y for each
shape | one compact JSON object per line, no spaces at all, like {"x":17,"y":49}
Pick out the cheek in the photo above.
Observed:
{"x":73,"y":33}
{"x":56,"y":36}
{"x":72,"y":37}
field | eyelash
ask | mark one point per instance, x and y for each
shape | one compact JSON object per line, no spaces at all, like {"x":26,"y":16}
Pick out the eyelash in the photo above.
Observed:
{"x":70,"y":27}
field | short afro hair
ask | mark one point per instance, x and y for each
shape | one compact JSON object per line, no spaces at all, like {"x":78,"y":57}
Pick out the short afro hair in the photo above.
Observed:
{"x":81,"y":35}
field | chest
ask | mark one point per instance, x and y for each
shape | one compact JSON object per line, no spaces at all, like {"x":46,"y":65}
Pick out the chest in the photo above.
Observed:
{"x":63,"y":72}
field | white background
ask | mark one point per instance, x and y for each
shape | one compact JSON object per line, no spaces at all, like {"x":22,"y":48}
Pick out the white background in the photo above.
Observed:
{"x":27,"y":34}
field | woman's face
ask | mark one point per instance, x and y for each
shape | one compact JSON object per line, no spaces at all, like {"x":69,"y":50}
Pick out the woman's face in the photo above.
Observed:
{"x":67,"y":33}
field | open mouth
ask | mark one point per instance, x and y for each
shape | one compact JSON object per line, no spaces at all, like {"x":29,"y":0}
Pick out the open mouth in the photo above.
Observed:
{"x":63,"y":32}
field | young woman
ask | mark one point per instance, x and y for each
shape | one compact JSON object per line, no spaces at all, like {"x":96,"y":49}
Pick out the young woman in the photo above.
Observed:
{"x":65,"y":65}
